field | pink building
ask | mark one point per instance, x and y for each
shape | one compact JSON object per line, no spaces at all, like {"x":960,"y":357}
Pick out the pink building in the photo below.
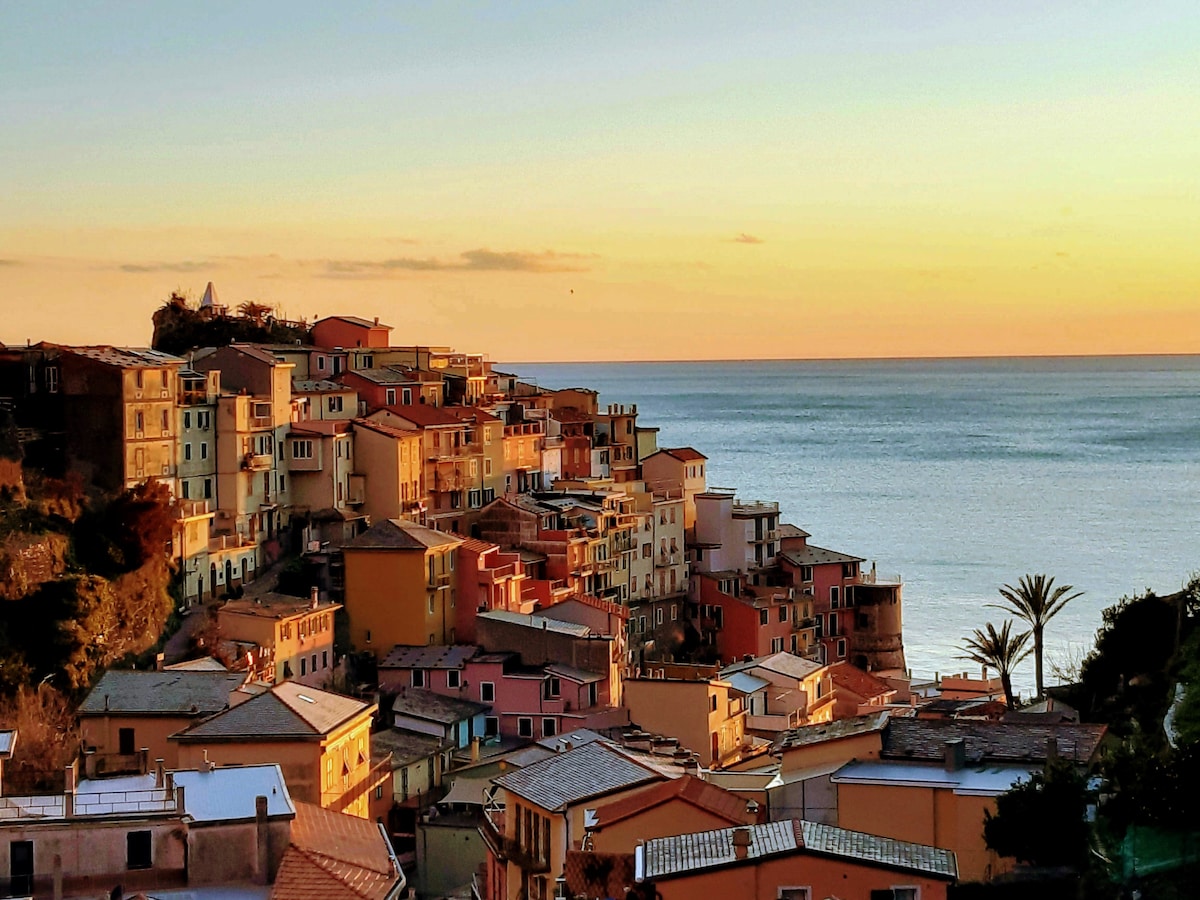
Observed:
{"x":488,"y":578}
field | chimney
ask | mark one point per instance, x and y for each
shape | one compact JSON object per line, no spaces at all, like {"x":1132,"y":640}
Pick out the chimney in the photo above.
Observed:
{"x":475,"y":749}
{"x":143,"y":760}
{"x":158,"y":772}
{"x":314,"y":597}
{"x":262,"y":842}
{"x":984,"y":673}
{"x":160,"y":660}
{"x":956,"y":754}
{"x":741,"y":842}
{"x":180,"y":805}
{"x":169,"y":782}
{"x":69,"y":792}
{"x":1051,"y":749}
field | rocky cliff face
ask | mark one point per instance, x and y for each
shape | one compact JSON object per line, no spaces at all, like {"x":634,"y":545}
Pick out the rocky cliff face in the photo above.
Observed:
{"x":29,"y":561}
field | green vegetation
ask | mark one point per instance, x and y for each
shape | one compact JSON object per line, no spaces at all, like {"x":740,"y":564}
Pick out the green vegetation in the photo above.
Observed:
{"x":178,"y":327}
{"x":1001,"y":650}
{"x":1036,"y":600}
{"x":1042,"y":821}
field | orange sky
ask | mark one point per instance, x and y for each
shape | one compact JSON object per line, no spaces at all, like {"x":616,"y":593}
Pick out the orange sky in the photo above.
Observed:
{"x":550,"y":185}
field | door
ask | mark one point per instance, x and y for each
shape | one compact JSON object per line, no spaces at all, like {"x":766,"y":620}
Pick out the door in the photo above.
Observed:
{"x":20,"y":866}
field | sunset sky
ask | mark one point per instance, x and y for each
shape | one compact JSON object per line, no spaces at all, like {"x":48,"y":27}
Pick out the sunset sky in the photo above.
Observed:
{"x":612,"y":180}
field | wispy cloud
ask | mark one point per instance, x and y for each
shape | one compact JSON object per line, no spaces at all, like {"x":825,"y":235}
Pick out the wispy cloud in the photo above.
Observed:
{"x":10,"y":262}
{"x":744,"y":238}
{"x":187,"y":265}
{"x":481,"y":260}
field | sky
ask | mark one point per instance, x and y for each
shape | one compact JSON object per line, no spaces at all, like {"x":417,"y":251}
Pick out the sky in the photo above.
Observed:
{"x":610,"y":181}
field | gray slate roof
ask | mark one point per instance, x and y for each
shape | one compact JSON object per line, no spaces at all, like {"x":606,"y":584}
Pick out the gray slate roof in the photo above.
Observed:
{"x":831,"y":731}
{"x":989,"y":742}
{"x":288,"y":710}
{"x":538,"y":622}
{"x":685,"y":853}
{"x":418,"y":703}
{"x":405,"y":746}
{"x":178,"y":692}
{"x":438,"y":656}
{"x":400,"y":534}
{"x":817,"y":556}
{"x":565,"y":779}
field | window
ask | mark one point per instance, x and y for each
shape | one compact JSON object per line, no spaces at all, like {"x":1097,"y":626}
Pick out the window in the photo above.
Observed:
{"x":674,"y":612}
{"x":303,"y":666}
{"x":187,"y":492}
{"x":783,"y":613}
{"x":137,"y":850}
{"x":324,"y":657}
{"x":207,"y":485}
{"x":487,"y":467}
{"x":187,"y":451}
{"x":418,"y":678}
{"x":52,"y":379}
{"x":204,"y":449}
{"x":487,"y":692}
{"x":806,"y":574}
{"x":841,"y":649}
{"x":406,"y":396}
{"x":794,"y":893}
{"x":491,"y":726}
{"x":549,"y":727}
{"x":553,"y":688}
{"x":453,"y":678}
{"x":833,"y":624}
{"x":139,"y":421}
{"x":391,"y":397}
{"x":302,"y":449}
{"x":187,"y":420}
{"x":658,"y":616}
{"x":713,"y":702}
{"x":335,"y":404}
{"x":764,"y":616}
{"x":777,"y":645}
{"x":166,"y":420}
{"x":203,"y":420}
{"x":524,"y":726}
{"x":125,"y":742}
{"x":833,"y":597}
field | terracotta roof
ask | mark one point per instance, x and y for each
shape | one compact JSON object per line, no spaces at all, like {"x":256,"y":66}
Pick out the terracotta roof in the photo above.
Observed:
{"x":989,"y":742}
{"x":472,"y":414}
{"x":855,"y":680}
{"x":400,"y":534}
{"x":381,"y":428}
{"x":831,"y":731}
{"x":791,"y":531}
{"x":424,"y":415}
{"x":684,"y":454}
{"x":690,"y":789}
{"x":680,"y":855}
{"x":475,"y":545}
{"x":334,"y":856}
{"x":565,"y":779}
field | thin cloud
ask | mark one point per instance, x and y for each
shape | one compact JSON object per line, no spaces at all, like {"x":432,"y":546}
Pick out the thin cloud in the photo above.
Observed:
{"x":10,"y":262}
{"x":480,"y":260}
{"x":187,"y":265}
{"x":744,"y":238}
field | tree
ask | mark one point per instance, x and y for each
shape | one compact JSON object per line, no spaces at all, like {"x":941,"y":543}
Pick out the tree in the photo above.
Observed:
{"x":1037,"y":601}
{"x":1042,"y":821}
{"x":1002,"y":650}
{"x":48,"y":738}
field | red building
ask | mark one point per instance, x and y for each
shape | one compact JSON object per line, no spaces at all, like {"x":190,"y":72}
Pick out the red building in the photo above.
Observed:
{"x":350,"y":331}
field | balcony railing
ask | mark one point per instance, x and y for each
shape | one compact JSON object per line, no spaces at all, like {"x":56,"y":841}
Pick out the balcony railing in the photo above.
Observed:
{"x":256,"y":462}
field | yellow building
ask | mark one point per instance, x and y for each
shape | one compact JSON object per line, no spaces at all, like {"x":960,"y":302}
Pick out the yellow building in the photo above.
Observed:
{"x":320,"y":740}
{"x":400,"y":586}
{"x":705,"y":714}
{"x":395,"y":469}
{"x":286,"y":637}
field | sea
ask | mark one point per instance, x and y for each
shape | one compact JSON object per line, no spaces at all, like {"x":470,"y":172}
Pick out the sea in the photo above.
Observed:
{"x":957,"y":475}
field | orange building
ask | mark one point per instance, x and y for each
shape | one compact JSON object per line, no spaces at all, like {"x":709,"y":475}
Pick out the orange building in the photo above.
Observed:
{"x":320,"y":740}
{"x":350,"y":331}
{"x":286,"y":637}
{"x":793,"y":860}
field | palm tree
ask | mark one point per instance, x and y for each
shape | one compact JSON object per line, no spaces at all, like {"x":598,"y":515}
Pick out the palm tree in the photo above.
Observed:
{"x":1002,"y":650}
{"x":1037,"y":601}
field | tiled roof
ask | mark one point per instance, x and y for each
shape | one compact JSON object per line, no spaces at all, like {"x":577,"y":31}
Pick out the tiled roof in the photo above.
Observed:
{"x":853,"y":679}
{"x":831,"y":731}
{"x":418,"y":703}
{"x":383,"y":375}
{"x":746,"y":683}
{"x":425,"y":415}
{"x":783,"y":663}
{"x":791,"y":531}
{"x":321,"y":386}
{"x":690,"y":789}
{"x":404,"y":746}
{"x":475,"y":545}
{"x":613,"y":609}
{"x":287,"y":710}
{"x":542,"y":623}
{"x":400,"y":534}
{"x":685,"y":853}
{"x":571,"y":673}
{"x":817,"y":556}
{"x":271,"y":605}
{"x":327,"y":845}
{"x":565,"y":779}
{"x":381,"y":428}
{"x":990,"y":742}
{"x":685,"y":454}
{"x":163,"y":693}
{"x":203,"y":664}
{"x":128,"y":357}
{"x":438,"y":656}
{"x":472,"y":414}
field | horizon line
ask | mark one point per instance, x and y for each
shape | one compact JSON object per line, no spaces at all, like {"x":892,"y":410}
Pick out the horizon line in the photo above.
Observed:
{"x":958,"y":358}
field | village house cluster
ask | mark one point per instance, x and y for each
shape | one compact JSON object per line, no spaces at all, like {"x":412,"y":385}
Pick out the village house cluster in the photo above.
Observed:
{"x":589,"y":670}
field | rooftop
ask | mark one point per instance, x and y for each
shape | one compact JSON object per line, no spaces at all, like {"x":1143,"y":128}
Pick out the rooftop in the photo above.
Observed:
{"x":689,"y":789}
{"x":288,"y":710}
{"x":684,"y":454}
{"x":428,"y":657}
{"x":853,"y":679}
{"x":272,"y":605}
{"x":418,"y":703}
{"x":685,"y":853}
{"x":353,"y":320}
{"x":831,"y":731}
{"x":977,"y":781}
{"x":782,"y":663}
{"x":405,"y":746}
{"x":539,"y":622}
{"x":425,"y":416}
{"x":989,"y":742}
{"x":175,"y":692}
{"x":817,"y":556}
{"x":128,"y":357}
{"x":333,"y":856}
{"x":400,"y":534}
{"x":568,"y":778}
{"x":221,"y":794}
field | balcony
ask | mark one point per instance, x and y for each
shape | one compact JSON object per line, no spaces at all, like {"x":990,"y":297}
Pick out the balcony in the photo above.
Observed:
{"x":356,"y":493}
{"x":257,"y":462}
{"x":755,"y":508}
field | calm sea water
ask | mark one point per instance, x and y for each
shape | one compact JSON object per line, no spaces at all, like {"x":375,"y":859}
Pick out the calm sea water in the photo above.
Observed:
{"x":958,"y":475}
